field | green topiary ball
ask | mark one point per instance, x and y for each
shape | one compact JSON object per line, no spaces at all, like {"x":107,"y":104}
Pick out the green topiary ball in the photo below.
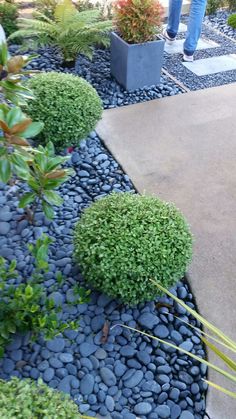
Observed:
{"x":232,"y":20}
{"x":125,"y":239}
{"x":68,"y":105}
{"x":23,"y":399}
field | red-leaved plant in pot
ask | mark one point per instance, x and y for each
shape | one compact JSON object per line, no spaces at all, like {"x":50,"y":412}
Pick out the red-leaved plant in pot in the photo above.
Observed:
{"x":136,"y":50}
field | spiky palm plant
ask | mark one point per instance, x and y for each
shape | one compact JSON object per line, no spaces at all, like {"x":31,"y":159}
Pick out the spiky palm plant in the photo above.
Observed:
{"x":72,"y":31}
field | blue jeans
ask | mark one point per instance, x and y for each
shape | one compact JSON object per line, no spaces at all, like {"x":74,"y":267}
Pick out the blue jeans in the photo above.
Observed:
{"x":197,"y":11}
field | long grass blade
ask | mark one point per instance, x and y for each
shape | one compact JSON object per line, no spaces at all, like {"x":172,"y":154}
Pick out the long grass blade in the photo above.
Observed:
{"x":222,"y":389}
{"x":228,"y":361}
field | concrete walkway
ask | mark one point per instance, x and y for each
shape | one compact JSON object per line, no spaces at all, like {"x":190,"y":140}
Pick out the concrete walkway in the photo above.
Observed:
{"x":183,"y":149}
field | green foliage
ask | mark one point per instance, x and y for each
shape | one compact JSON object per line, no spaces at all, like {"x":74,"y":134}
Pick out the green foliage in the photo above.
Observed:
{"x":15,"y":151}
{"x":24,"y":399}
{"x":45,"y":175}
{"x":123,"y":240}
{"x":72,"y":31}
{"x":11,"y":76}
{"x":26,"y":307}
{"x":68,"y":105}
{"x":213,"y":6}
{"x":46,"y":7}
{"x":232,"y":21}
{"x":40,"y":168}
{"x":138,"y":21}
{"x":82,"y":5}
{"x":8,"y":16}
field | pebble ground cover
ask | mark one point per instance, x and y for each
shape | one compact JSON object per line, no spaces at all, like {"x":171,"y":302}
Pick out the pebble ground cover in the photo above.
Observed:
{"x":97,"y":72}
{"x":219,"y":21}
{"x":129,"y":375}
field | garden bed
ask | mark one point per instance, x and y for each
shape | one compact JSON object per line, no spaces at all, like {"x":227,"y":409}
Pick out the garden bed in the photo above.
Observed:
{"x":129,"y":374}
{"x":97,"y":72}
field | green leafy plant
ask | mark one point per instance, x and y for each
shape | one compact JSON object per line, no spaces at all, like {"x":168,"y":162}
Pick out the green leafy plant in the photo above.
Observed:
{"x":26,"y":307}
{"x":40,"y":168}
{"x":83,"y":5}
{"x":213,"y":6}
{"x":105,"y":6}
{"x":15,"y":150}
{"x":45,"y":174}
{"x":72,"y":31}
{"x":123,"y":239}
{"x":138,"y":21}
{"x":68,"y":105}
{"x":8,"y":17}
{"x":23,"y":399}
{"x":12,"y":75}
{"x":216,"y":336}
{"x":232,"y":20}
{"x":46,"y":7}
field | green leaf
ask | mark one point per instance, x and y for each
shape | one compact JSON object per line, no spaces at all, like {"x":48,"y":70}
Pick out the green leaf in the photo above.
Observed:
{"x":3,"y":53}
{"x":42,"y":253}
{"x":14,"y":116}
{"x":50,"y":149}
{"x":55,"y":162}
{"x":33,"y":184}
{"x":5,"y":170}
{"x":53,"y":198}
{"x":12,"y":266}
{"x":48,"y":210}
{"x":228,"y":361}
{"x":42,"y":321}
{"x":34,"y":308}
{"x":28,"y":291}
{"x":27,"y":199}
{"x":20,"y":166}
{"x":33,"y":129}
{"x":41,"y":162}
{"x":222,"y":389}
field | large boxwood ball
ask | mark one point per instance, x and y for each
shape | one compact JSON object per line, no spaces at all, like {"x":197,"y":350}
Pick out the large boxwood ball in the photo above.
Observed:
{"x":25,"y":399}
{"x":125,"y":239}
{"x":68,"y":105}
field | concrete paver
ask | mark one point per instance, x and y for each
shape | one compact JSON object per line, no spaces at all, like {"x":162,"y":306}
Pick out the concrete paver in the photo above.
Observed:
{"x":183,"y":149}
{"x":212,"y":65}
{"x":176,"y":47}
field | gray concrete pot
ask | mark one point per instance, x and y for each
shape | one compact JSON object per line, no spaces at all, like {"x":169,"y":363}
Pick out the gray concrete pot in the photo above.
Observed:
{"x":136,"y":65}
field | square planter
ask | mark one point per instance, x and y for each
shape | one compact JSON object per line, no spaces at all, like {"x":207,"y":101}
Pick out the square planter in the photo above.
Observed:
{"x":136,"y":65}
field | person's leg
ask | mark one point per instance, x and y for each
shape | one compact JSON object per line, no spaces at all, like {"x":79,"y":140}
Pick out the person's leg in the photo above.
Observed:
{"x":197,"y":11}
{"x":174,"y":17}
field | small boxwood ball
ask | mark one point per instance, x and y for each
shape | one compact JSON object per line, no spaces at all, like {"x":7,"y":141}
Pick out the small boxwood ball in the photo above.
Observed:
{"x":124,"y":239}
{"x":68,"y":105}
{"x":24,"y":399}
{"x":232,"y":20}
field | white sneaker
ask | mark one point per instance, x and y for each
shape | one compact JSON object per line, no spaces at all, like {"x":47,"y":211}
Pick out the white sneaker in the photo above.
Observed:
{"x":187,"y":58}
{"x":167,"y":37}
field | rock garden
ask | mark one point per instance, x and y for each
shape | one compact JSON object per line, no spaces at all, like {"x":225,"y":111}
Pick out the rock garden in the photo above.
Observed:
{"x":97,"y":318}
